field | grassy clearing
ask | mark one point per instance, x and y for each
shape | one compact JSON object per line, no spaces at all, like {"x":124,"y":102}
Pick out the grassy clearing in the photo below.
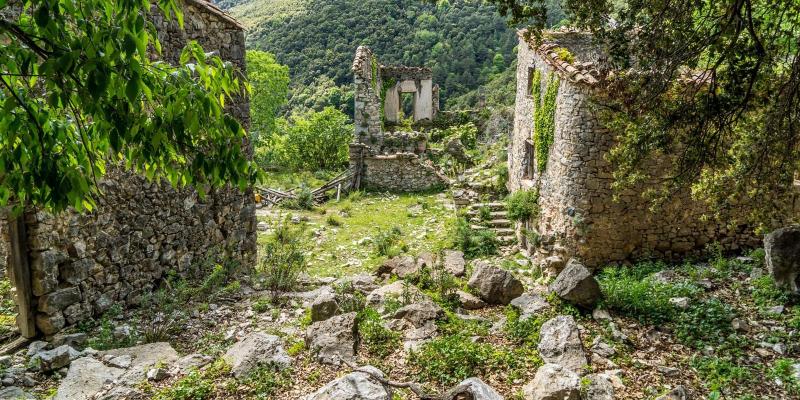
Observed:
{"x":358,"y":241}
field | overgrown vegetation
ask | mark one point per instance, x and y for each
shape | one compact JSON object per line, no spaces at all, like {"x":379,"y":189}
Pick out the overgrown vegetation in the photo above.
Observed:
{"x":544,"y":113}
{"x":380,"y":340}
{"x":474,"y":242}
{"x":523,"y":205}
{"x":283,"y":259}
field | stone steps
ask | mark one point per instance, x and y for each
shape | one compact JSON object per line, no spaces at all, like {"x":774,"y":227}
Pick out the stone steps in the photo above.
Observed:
{"x":494,"y":223}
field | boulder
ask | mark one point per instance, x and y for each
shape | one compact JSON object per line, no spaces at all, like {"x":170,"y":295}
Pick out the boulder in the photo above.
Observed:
{"x":255,"y":349}
{"x":599,"y":387}
{"x":782,"y":248}
{"x":354,"y":386}
{"x":420,"y":313}
{"x":57,"y":358}
{"x":85,"y":378}
{"x":334,"y":339}
{"x":362,"y":283}
{"x":678,"y":393}
{"x":553,"y":382}
{"x":454,"y":262}
{"x":402,"y":266}
{"x":472,"y":389}
{"x":469,"y":302}
{"x":494,"y":285}
{"x":529,"y":305}
{"x":560,"y":343}
{"x":15,"y":393}
{"x":397,"y":290}
{"x":192,"y":361}
{"x":576,"y":285}
{"x":74,"y":340}
{"x":426,"y":259}
{"x":324,"y":306}
{"x":142,"y":358}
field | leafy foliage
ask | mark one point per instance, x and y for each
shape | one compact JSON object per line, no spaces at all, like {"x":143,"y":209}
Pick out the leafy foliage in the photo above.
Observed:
{"x":451,"y":359}
{"x":269,"y":82}
{"x":705,"y":323}
{"x":79,"y":89}
{"x":386,"y":241}
{"x":380,"y":341}
{"x":474,"y":242}
{"x":544,"y":113}
{"x":283,"y":259}
{"x":523,"y":205}
{"x":719,"y":373}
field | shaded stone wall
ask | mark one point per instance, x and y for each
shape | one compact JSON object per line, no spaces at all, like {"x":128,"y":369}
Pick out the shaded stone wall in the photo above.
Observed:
{"x":579,"y":216}
{"x":402,"y":172}
{"x":82,"y":264}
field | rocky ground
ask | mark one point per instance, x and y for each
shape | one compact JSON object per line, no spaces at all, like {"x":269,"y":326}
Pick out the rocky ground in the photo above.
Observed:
{"x":423,"y":320}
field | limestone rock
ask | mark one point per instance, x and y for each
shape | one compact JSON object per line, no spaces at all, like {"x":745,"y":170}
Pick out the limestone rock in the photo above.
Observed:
{"x":396,"y":290}
{"x":494,"y":285}
{"x":529,"y":304}
{"x":74,"y":340}
{"x":454,"y":262}
{"x":324,"y":306}
{"x":782,"y":248}
{"x":561,"y":344}
{"x":142,"y":358}
{"x":600,"y":387}
{"x":420,"y":313}
{"x":35,"y":347}
{"x":59,"y":300}
{"x":354,"y":386}
{"x":15,"y":393}
{"x":57,"y":358}
{"x":469,"y":302}
{"x":472,"y":389}
{"x":553,"y":382}
{"x":362,"y":283}
{"x":85,"y":378}
{"x":678,"y":393}
{"x":192,"y":361}
{"x":334,"y":339}
{"x":576,"y":285}
{"x":256,"y":349}
{"x":402,"y":266}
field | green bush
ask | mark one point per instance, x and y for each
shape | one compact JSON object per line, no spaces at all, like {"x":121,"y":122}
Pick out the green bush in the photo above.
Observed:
{"x":380,"y":340}
{"x":523,"y":205}
{"x":783,"y":370}
{"x":451,"y":359}
{"x":266,"y":380}
{"x":765,"y":293}
{"x":474,"y":242}
{"x":705,"y":323}
{"x":718,"y":373}
{"x":304,"y":199}
{"x":387,"y":240}
{"x":630,"y":291}
{"x":283,"y":259}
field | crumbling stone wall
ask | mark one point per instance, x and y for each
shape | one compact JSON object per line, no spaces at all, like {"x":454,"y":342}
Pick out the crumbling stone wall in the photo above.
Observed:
{"x":82,"y":264}
{"x":579,"y":216}
{"x":385,"y":159}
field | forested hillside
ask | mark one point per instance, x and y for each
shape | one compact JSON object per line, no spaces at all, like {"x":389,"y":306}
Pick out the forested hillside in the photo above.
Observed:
{"x":465,"y":42}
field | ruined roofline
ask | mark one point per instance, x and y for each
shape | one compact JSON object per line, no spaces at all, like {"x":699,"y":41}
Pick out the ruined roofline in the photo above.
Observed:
{"x":212,"y":8}
{"x":364,"y":56}
{"x":575,"y":72}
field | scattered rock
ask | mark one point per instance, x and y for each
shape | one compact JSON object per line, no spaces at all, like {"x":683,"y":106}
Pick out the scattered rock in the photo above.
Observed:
{"x":669,"y":371}
{"x":472,"y":389}
{"x":706,"y":284}
{"x":420,"y":314}
{"x":776,"y":310}
{"x":35,"y":347}
{"x":396,"y":290}
{"x":602,"y":348}
{"x":678,"y":393}
{"x":529,"y":304}
{"x":192,"y":361}
{"x":601,"y":314}
{"x":561,"y":344}
{"x":262,"y":226}
{"x":324,"y":306}
{"x":740,"y":325}
{"x":553,"y":382}
{"x":600,"y":387}
{"x":493,"y":284}
{"x":782,"y":248}
{"x":15,"y":393}
{"x":469,"y":302}
{"x":454,"y":262}
{"x":57,"y":358}
{"x":157,"y":374}
{"x":680,"y":302}
{"x":143,"y":358}
{"x":123,"y":361}
{"x":362,"y":283}
{"x":402,"y":266}
{"x":256,"y":349}
{"x":554,"y":264}
{"x":334,"y":339}
{"x":85,"y":378}
{"x":74,"y":340}
{"x":354,"y":386}
{"x":576,"y":285}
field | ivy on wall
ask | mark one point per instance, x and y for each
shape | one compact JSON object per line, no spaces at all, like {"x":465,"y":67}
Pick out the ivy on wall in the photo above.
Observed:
{"x":544,"y":114}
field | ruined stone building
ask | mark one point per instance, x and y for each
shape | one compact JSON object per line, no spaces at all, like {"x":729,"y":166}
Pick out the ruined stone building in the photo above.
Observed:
{"x":579,"y":217}
{"x":82,"y":264}
{"x":387,"y":159}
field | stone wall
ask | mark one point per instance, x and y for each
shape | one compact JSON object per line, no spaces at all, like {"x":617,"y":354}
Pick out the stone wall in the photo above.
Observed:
{"x":401,"y":172}
{"x":579,"y":216}
{"x":82,"y":264}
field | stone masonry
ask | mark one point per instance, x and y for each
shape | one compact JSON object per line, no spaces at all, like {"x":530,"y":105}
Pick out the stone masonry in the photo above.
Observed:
{"x":388,"y":160}
{"x":579,"y":217}
{"x":82,"y":264}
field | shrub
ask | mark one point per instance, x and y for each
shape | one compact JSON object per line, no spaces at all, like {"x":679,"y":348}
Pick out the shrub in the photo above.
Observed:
{"x":333,"y":220}
{"x":380,"y":340}
{"x":474,"y":242}
{"x":266,"y":380}
{"x":385,"y":241}
{"x":197,"y":385}
{"x":523,"y":205}
{"x":304,"y":199}
{"x":705,"y":323}
{"x":718,"y":373}
{"x":283,"y":259}
{"x":784,"y":370}
{"x":630,"y":292}
{"x":765,"y":293}
{"x":484,"y":213}
{"x":312,"y":141}
{"x":451,"y":359}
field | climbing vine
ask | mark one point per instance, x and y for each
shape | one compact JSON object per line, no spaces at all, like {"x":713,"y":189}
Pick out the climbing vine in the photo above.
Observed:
{"x":374,"y":64}
{"x":544,"y":113}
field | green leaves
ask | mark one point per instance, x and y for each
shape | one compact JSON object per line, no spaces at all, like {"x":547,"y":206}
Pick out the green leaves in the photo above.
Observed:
{"x":79,"y":91}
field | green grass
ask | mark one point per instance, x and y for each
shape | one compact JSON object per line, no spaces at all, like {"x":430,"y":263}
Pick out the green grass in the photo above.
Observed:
{"x":719,"y":373}
{"x":351,"y":248}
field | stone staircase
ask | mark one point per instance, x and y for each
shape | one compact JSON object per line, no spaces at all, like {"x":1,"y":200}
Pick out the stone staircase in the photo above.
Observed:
{"x":497,"y":221}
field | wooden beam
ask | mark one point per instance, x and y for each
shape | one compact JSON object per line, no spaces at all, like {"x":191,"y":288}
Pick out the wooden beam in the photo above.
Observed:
{"x":21,"y":274}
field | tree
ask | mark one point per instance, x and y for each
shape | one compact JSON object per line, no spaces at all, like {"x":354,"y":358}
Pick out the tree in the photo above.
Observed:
{"x":318,"y":140}
{"x":269,"y":88}
{"x":712,"y":84}
{"x":79,"y":91}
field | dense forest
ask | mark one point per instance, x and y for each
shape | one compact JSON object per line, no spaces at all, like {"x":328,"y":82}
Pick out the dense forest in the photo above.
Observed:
{"x":465,"y":42}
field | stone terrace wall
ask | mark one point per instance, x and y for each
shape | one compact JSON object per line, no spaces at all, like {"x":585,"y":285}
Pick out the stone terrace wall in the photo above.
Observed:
{"x":402,"y":172}
{"x":83,"y":264}
{"x":578,"y":214}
